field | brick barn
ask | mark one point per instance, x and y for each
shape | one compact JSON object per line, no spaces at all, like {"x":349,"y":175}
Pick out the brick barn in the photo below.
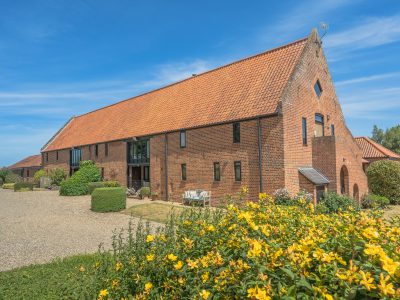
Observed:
{"x":268,"y":121}
{"x":27,"y":167}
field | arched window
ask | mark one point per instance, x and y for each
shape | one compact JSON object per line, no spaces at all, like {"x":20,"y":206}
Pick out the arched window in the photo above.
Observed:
{"x":356,"y":193}
{"x":344,"y":180}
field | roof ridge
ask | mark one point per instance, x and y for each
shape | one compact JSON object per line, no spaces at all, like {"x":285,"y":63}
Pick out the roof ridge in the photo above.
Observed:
{"x":197,"y":75}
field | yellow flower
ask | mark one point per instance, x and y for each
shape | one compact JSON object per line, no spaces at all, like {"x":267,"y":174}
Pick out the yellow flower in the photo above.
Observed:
{"x":115,"y":283}
{"x":255,"y":248}
{"x":262,"y":196}
{"x":103,"y":293}
{"x":150,"y":257}
{"x":367,"y":281}
{"x":192,"y":263}
{"x":257,"y":293}
{"x":149,"y":238}
{"x":82,"y":269}
{"x":118,"y":266}
{"x":163,"y":238}
{"x":205,"y":277}
{"x":386,"y":289}
{"x":204,"y":294}
{"x":148,"y":286}
{"x":211,"y":228}
{"x":172,"y":257}
{"x":370,"y":233}
{"x":188,"y":243}
{"x":181,"y":280}
{"x":373,"y":249}
{"x":245,"y":190}
{"x":178,"y":265}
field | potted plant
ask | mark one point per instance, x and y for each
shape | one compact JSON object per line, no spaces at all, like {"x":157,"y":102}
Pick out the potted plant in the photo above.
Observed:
{"x":154,"y":196}
{"x":145,"y":192}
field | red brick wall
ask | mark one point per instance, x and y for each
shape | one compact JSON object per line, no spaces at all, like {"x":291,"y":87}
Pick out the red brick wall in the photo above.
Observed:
{"x":27,"y":173}
{"x":300,"y":100}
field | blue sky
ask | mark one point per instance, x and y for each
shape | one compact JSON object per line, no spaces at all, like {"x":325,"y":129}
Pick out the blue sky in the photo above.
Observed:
{"x":64,"y":58}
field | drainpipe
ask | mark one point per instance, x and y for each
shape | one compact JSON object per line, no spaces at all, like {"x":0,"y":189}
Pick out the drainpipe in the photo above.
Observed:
{"x":260,"y":155}
{"x":166,"y":166}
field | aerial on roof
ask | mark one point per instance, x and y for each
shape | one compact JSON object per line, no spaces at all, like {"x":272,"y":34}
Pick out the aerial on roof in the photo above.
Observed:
{"x":372,"y":149}
{"x":244,"y":89}
{"x":30,"y":161}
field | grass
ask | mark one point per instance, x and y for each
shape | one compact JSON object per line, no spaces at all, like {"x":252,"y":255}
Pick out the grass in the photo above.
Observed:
{"x":55,"y":280}
{"x":156,"y":212}
{"x":391,"y":211}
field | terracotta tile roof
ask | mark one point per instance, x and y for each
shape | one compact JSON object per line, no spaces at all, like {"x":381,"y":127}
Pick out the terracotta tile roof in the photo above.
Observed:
{"x":244,"y":89}
{"x":372,"y":149}
{"x":30,"y":161}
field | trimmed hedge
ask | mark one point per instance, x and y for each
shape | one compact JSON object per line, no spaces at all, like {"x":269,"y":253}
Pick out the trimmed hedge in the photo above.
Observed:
{"x":374,"y":201}
{"x":8,"y":186}
{"x":384,"y":179}
{"x":23,"y":186}
{"x":94,"y":185}
{"x":108,"y":199}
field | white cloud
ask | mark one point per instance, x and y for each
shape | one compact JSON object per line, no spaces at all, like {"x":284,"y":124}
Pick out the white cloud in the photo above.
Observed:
{"x":367,"y":78}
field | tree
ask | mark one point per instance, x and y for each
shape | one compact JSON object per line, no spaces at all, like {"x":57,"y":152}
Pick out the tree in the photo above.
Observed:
{"x":389,"y":138}
{"x":3,"y":174}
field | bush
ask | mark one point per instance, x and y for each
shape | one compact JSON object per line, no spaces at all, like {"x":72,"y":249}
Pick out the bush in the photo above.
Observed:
{"x":8,"y":186}
{"x":108,"y":199}
{"x":374,"y":201}
{"x":57,"y":176}
{"x":13,"y":178}
{"x":39,"y":174}
{"x":333,"y":203}
{"x":384,"y":179}
{"x":144,"y":192}
{"x":77,"y":184}
{"x":282,"y":197}
{"x":23,"y":186}
{"x":259,"y":251}
{"x":3,"y":173}
{"x":94,"y":185}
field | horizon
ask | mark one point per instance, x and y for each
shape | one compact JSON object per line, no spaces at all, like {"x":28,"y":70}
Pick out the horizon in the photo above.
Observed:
{"x":43,"y":88}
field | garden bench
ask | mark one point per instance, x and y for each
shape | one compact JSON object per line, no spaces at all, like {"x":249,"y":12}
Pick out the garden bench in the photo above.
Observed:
{"x":197,"y":196}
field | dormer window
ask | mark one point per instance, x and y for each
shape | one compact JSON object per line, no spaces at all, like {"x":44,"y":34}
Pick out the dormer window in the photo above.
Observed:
{"x":318,"y":88}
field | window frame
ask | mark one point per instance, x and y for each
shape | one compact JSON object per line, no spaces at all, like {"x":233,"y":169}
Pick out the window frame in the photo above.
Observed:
{"x":96,"y":150}
{"x":332,"y":129}
{"x":183,"y":172}
{"x":321,"y":122}
{"x":56,"y":155}
{"x":318,"y":88}
{"x":217,"y":171}
{"x":106,"y":149}
{"x":304,"y":133}
{"x":47,"y":156}
{"x":236,"y":132}
{"x":238,"y":164}
{"x":182,"y":133}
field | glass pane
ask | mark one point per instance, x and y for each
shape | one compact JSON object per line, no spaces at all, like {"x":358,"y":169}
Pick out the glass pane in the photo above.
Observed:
{"x":183,"y":139}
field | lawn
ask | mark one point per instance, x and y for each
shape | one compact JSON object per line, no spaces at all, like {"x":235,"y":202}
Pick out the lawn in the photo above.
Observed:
{"x":55,"y":280}
{"x":156,"y":212}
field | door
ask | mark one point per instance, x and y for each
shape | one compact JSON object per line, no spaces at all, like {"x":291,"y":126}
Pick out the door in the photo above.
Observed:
{"x":134,"y":177}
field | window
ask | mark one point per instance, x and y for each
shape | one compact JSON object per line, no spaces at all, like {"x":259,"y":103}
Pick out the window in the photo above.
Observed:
{"x":236,"y":132}
{"x":47,"y":156}
{"x":146,"y":173}
{"x":139,"y":151}
{"x":182,"y":138}
{"x":183,"y":171}
{"x":217,"y":171}
{"x":318,"y":88}
{"x":106,"y":149}
{"x":332,"y":130}
{"x":304,"y":130}
{"x":27,"y":173}
{"x":238,"y":171}
{"x":319,"y":125}
{"x":75,"y":157}
{"x":102,"y":173}
{"x":56,"y":155}
{"x":96,"y":150}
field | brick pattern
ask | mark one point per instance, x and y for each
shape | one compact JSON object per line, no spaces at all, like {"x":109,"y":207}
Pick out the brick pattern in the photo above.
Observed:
{"x":26,"y":173}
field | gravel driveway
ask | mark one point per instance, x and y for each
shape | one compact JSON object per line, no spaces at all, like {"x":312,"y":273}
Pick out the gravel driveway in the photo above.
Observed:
{"x":36,"y":227}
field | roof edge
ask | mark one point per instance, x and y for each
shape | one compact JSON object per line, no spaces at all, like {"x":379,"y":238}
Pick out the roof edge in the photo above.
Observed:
{"x":373,"y":144}
{"x":56,"y":134}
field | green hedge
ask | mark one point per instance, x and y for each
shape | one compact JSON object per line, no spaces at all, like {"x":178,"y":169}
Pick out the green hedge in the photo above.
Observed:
{"x":375,"y":201}
{"x":23,"y":186}
{"x":108,"y":199}
{"x":145,"y":192}
{"x":384,"y":179}
{"x":77,"y":184}
{"x":8,"y":186}
{"x":333,"y":203}
{"x":94,"y":185}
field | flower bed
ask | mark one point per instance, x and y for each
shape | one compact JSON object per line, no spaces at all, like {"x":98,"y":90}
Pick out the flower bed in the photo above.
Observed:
{"x":260,"y":251}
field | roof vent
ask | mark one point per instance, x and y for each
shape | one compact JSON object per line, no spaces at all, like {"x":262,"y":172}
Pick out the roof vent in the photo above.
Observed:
{"x":194,"y":75}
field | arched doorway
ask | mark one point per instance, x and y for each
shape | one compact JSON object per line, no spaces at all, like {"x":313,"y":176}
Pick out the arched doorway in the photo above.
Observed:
{"x":344,"y":181}
{"x":356,"y":193}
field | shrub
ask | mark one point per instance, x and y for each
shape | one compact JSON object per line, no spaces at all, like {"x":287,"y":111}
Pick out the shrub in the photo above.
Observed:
{"x":77,"y":184}
{"x":145,"y":192}
{"x":108,"y":199}
{"x":8,"y":186}
{"x":260,"y":251}
{"x":282,"y":197}
{"x":39,"y":174}
{"x":375,"y":201}
{"x":111,"y":184}
{"x":57,"y":175}
{"x":23,"y":186}
{"x":384,"y":179}
{"x":332,"y":203}
{"x":94,"y":185}
{"x":13,"y":178}
{"x":3,"y":173}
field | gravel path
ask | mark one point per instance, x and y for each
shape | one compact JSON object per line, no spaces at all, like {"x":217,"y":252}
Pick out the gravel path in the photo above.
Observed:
{"x":36,"y":227}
